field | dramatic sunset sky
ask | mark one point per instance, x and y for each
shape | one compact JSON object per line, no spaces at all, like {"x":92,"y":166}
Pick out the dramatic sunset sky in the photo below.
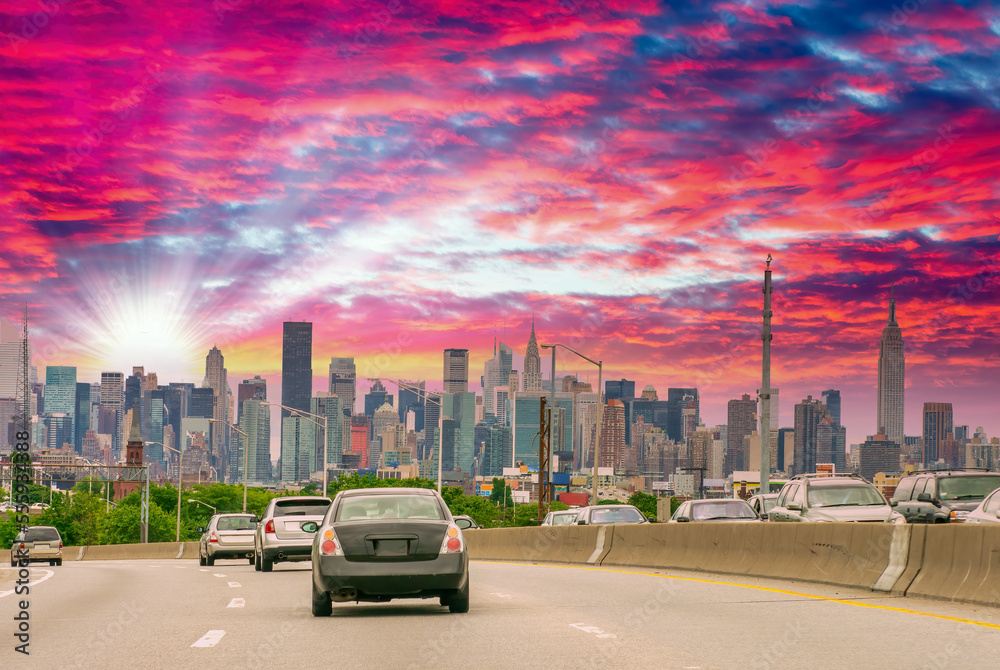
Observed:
{"x":416,"y":175}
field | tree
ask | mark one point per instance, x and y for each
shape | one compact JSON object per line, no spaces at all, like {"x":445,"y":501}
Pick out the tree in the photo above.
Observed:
{"x":501,"y":495}
{"x":644,"y":502}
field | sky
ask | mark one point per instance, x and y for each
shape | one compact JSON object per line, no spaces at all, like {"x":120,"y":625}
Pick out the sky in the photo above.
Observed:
{"x":412,"y":176}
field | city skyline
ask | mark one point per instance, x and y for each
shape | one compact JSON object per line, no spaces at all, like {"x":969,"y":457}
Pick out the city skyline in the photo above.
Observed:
{"x":409,"y":179}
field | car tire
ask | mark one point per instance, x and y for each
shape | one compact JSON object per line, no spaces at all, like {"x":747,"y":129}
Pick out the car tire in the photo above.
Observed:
{"x":322,"y":605}
{"x":209,"y":561}
{"x":58,"y":562}
{"x":13,"y":563}
{"x":459,"y":603}
{"x":52,"y":564}
{"x":251,"y":560}
{"x":266,"y":564}
{"x":201,"y":559}
{"x":256,"y":562}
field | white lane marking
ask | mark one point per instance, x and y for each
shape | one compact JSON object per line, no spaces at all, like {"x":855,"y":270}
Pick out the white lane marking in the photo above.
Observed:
{"x":237,"y":602}
{"x":210,"y":639}
{"x":593,"y":630}
{"x":234,"y":584}
{"x":216,"y":574}
{"x":501,"y":595}
{"x":48,"y":573}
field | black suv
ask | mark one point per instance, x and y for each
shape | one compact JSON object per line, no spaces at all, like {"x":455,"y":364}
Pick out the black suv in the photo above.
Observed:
{"x":943,"y":496}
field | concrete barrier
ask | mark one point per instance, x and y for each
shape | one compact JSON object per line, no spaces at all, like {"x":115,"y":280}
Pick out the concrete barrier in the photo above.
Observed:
{"x":961,"y":562}
{"x":554,"y":544}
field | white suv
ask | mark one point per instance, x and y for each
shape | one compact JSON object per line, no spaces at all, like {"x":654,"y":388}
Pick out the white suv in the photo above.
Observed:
{"x":279,"y":535}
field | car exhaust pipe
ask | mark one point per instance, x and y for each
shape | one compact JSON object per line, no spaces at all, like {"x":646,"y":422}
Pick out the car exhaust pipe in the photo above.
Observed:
{"x":281,"y":555}
{"x":344,"y":595}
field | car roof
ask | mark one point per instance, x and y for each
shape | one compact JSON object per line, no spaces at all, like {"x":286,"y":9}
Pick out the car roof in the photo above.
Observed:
{"x":389,"y":490}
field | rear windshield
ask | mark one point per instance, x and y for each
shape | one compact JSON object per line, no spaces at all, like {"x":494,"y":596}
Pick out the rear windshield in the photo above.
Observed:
{"x":40,"y":535}
{"x":967,"y":488}
{"x":843,"y":495}
{"x":615,"y":515}
{"x":237,"y":523}
{"x":301,"y":507}
{"x":360,"y":508}
{"x":723,"y":509}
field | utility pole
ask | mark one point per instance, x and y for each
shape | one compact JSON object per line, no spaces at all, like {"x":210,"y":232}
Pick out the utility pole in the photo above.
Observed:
{"x":765,"y":387}
{"x":544,"y":440}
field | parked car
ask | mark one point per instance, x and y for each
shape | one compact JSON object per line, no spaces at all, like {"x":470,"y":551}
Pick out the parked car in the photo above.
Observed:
{"x":39,"y":507}
{"x":714,"y":509}
{"x":988,"y":511}
{"x":566,"y":517}
{"x":762,"y":503}
{"x":374,"y":545}
{"x":609,"y":514}
{"x":279,"y":535}
{"x":227,"y":536}
{"x":465,"y":522}
{"x":37,"y":544}
{"x":943,"y":496}
{"x":824,"y":497}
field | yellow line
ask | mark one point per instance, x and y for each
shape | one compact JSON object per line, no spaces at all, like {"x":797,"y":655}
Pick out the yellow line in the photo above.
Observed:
{"x":903,"y":610}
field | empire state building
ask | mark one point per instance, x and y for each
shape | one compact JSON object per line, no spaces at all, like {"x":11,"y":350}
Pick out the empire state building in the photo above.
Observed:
{"x":891,"y":378}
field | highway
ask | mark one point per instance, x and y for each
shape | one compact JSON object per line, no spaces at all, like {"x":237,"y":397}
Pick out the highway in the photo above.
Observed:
{"x":175,"y":614}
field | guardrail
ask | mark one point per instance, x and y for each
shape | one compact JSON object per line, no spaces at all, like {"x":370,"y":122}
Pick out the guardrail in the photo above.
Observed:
{"x":954,"y":562}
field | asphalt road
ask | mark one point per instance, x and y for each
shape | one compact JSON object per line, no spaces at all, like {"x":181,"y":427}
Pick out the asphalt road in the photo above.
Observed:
{"x":174,"y":614}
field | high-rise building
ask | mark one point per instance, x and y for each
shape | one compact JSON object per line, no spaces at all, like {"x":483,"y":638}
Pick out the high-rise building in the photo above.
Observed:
{"x":113,"y":398}
{"x":677,"y":400}
{"x":831,"y":398}
{"x":456,"y":370}
{"x":202,"y":403}
{"x":938,"y":427}
{"x":215,"y":373}
{"x":60,"y":395}
{"x":255,"y":388}
{"x":255,"y":421}
{"x":878,"y":454}
{"x":411,"y":397}
{"x":532,"y":364}
{"x":344,"y":382}
{"x":649,"y":393}
{"x":496,"y":372}
{"x":742,"y":421}
{"x":613,"y":449}
{"x":619,"y":390}
{"x":808,"y":415}
{"x":298,"y":448}
{"x":374,"y":399}
{"x":460,"y":409}
{"x":82,"y":419}
{"x":11,"y":343}
{"x":328,"y":405}
{"x":891,"y":378}
{"x":158,"y":419}
{"x":296,"y":366}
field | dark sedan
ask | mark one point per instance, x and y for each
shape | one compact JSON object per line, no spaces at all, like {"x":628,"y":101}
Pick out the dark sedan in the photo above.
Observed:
{"x":375,"y":545}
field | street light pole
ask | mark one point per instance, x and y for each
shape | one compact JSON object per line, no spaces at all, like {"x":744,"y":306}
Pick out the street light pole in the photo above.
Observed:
{"x":600,"y":408}
{"x":306,"y":415}
{"x":180,"y":474}
{"x":246,"y":455}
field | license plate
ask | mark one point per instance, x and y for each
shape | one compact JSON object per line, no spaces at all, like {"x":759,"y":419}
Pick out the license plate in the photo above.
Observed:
{"x":41,"y":546}
{"x":391,"y":547}
{"x":294,"y":525}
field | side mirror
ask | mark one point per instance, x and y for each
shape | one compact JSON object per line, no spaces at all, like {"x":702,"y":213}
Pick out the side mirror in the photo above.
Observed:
{"x":923,"y":497}
{"x":581,"y":522}
{"x":651,"y":519}
{"x":893,"y":502}
{"x":309,"y":527}
{"x":464,"y":524}
{"x":682,"y":519}
{"x":794,"y":506}
{"x":200,"y":529}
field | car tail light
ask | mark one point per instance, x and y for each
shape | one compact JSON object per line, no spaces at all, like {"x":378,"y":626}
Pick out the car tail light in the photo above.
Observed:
{"x":330,"y":544}
{"x":269,"y":527}
{"x":22,"y":545}
{"x":60,"y":545}
{"x":213,"y":538}
{"x":453,"y":542}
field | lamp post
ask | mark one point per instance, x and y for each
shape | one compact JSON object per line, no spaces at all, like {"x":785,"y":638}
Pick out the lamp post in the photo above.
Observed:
{"x":180,"y":474}
{"x":600,"y":406}
{"x":246,"y":456}
{"x":215,"y":510}
{"x":305,"y":415}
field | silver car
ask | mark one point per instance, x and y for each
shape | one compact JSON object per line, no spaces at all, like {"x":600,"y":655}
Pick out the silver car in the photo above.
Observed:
{"x":988,"y":511}
{"x":566,"y":517}
{"x":824,"y":497}
{"x":227,"y":536}
{"x":37,"y":544}
{"x":599,"y":515}
{"x":279,"y":535}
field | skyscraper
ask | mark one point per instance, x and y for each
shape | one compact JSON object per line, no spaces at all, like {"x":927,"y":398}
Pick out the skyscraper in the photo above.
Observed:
{"x":255,"y":421}
{"x":456,"y":370}
{"x":10,"y":356}
{"x":60,"y":395}
{"x":215,"y":372}
{"x":619,"y":389}
{"x":344,"y":382}
{"x":112,"y":398}
{"x":742,"y":422}
{"x":255,"y":388}
{"x":891,"y":378}
{"x":82,"y":418}
{"x":412,"y":397}
{"x":677,"y":400}
{"x":938,"y":427}
{"x":296,"y":365}
{"x":496,"y":372}
{"x":808,"y":415}
{"x":532,"y":364}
